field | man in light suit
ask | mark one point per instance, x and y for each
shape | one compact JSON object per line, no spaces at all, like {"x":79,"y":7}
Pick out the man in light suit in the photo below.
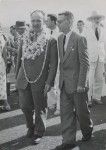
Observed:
{"x":74,"y":65}
{"x":36,"y":74}
{"x":97,"y":55}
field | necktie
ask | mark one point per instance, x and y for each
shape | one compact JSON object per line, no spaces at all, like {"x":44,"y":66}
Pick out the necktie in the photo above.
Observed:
{"x":51,"y":32}
{"x":96,"y":33}
{"x":64,"y":40}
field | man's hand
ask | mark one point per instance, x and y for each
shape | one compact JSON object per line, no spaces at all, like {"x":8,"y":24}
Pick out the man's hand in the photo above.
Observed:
{"x":80,"y":89}
{"x":47,"y":89}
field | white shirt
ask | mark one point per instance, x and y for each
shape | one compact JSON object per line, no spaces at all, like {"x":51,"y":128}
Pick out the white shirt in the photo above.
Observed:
{"x":67,"y":39}
{"x":55,"y":33}
{"x":96,"y":48}
{"x":83,"y":33}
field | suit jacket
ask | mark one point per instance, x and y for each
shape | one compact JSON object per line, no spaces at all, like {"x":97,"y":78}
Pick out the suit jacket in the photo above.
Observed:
{"x":32,"y":68}
{"x":96,"y":48}
{"x":74,"y":64}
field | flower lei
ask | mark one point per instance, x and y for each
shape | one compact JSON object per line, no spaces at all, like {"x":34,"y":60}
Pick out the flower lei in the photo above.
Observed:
{"x":31,"y":50}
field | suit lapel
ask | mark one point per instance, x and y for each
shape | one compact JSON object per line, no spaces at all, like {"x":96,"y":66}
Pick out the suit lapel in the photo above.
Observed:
{"x":69,"y":46}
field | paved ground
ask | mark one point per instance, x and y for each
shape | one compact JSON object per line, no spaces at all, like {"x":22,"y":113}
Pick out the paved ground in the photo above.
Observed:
{"x":13,"y":130}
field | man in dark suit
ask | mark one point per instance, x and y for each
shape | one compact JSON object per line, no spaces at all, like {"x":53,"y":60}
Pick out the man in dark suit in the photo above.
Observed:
{"x":35,"y":73}
{"x":74,"y":65}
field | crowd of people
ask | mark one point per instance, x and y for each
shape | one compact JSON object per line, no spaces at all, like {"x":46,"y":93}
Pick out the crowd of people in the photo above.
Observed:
{"x":55,"y":66}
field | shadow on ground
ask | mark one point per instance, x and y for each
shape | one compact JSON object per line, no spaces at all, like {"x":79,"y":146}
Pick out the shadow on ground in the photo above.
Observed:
{"x":17,"y":144}
{"x":98,"y":142}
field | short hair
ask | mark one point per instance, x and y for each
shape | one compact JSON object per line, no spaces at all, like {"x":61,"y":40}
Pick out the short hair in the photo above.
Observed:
{"x":53,"y":17}
{"x":80,"y":21}
{"x":12,"y":27}
{"x":68,"y":14}
{"x":38,"y":11}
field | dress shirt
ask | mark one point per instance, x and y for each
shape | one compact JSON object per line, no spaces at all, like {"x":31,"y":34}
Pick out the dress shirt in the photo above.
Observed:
{"x":53,"y":33}
{"x":67,"y":39}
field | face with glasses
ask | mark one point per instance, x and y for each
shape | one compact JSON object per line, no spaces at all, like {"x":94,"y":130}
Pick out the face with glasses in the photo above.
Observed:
{"x":37,"y":21}
{"x":64,"y":23}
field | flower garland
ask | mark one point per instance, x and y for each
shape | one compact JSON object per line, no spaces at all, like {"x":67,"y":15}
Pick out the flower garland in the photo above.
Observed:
{"x":33,"y":49}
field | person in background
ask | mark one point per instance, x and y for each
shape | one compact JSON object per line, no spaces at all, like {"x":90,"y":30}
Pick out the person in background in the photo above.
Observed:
{"x":51,"y":23}
{"x":16,"y":32}
{"x":20,"y":27}
{"x":20,"y":30}
{"x":3,"y":63}
{"x":11,"y":52}
{"x":80,"y":27}
{"x":13,"y":31}
{"x":97,"y":55}
{"x":74,"y":64}
{"x":35,"y":74}
{"x":54,"y":94}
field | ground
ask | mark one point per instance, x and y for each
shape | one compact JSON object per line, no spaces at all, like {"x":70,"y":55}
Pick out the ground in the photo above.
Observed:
{"x":13,"y":130}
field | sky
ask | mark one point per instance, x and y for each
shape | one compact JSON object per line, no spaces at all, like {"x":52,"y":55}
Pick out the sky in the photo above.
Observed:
{"x":12,"y":10}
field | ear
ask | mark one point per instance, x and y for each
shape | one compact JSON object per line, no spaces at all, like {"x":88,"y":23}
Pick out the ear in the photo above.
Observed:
{"x":71,"y":22}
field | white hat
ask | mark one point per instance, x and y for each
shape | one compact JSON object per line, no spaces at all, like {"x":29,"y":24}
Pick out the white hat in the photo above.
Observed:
{"x":95,"y":15}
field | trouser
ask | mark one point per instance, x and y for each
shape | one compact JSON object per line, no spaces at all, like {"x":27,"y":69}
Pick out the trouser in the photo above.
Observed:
{"x":8,"y":89}
{"x":27,"y":101}
{"x":73,"y":107}
{"x":57,"y":90}
{"x":96,"y":80}
{"x":54,"y":94}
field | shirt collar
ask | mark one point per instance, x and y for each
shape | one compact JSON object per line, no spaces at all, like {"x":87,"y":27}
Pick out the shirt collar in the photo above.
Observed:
{"x":68,"y":34}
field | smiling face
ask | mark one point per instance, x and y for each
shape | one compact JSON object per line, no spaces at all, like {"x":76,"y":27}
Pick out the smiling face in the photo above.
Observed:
{"x":37,"y":21}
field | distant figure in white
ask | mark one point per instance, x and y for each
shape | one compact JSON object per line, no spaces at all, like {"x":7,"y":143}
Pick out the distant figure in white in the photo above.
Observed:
{"x":54,"y":94}
{"x":80,"y":27}
{"x":97,"y":55}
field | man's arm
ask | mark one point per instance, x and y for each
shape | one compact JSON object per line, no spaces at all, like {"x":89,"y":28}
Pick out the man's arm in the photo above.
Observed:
{"x":18,"y":65}
{"x":84,"y":62}
{"x":53,"y":65}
